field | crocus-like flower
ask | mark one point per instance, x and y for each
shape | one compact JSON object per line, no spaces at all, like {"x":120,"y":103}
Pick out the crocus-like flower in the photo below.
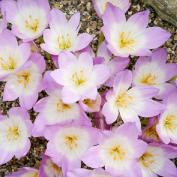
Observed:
{"x":167,"y":125}
{"x":61,"y":112}
{"x":63,"y":34}
{"x":79,"y":77}
{"x":26,"y":83}
{"x":100,"y":6}
{"x":156,"y":161}
{"x":15,"y":130}
{"x":25,"y":172}
{"x":115,"y":64}
{"x":49,"y":168}
{"x":154,"y":71}
{"x":67,"y":144}
{"x":117,"y":151}
{"x":130,"y":103}
{"x":29,"y":18}
{"x":80,"y":172}
{"x":12,"y":55}
{"x":131,"y":37}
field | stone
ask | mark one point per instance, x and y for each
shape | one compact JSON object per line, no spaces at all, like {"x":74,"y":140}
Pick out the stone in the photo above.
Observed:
{"x":166,"y":9}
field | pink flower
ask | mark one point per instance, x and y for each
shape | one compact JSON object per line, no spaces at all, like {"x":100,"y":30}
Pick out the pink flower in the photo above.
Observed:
{"x":12,"y":55}
{"x":167,"y":125}
{"x":29,"y":18}
{"x":130,"y":102}
{"x":118,"y":151}
{"x":100,"y":6}
{"x":79,"y":77}
{"x":131,"y":37}
{"x":26,"y":83}
{"x":156,"y":161}
{"x":15,"y":130}
{"x":63,"y":34}
{"x":154,"y":71}
{"x":25,"y":172}
{"x":67,"y":144}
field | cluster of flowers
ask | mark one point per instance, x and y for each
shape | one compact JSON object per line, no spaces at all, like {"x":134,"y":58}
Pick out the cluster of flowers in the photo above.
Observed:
{"x":88,"y":93}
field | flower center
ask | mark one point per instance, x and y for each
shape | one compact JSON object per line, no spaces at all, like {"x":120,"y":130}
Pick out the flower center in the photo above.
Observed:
{"x":8,"y":65}
{"x":90,"y":103}
{"x":32,"y":24}
{"x":170,"y":122}
{"x":123,"y":100}
{"x":71,"y":141}
{"x":64,"y":42}
{"x":61,"y":107}
{"x":126,"y":41}
{"x":146,"y":159}
{"x":148,"y":79}
{"x":13,"y":133}
{"x":117,"y":153}
{"x":78,"y":78}
{"x":23,"y":78}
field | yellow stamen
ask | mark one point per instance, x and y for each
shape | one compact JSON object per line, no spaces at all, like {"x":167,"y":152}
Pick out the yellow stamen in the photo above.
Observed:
{"x":78,"y":78}
{"x":125,"y":40}
{"x":23,"y":78}
{"x":61,"y":107}
{"x":8,"y":65}
{"x":123,"y":100}
{"x":90,"y":103}
{"x":32,"y":24}
{"x":71,"y":141}
{"x":64,"y":42}
{"x":117,"y":153}
{"x":13,"y":133}
{"x":148,"y":79}
{"x":147,"y":159}
{"x":170,"y":122}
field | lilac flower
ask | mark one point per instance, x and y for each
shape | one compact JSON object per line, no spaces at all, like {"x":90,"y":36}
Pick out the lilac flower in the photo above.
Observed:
{"x":154,"y":71}
{"x":48,"y":168}
{"x":26,"y":83}
{"x":156,"y":161}
{"x":118,"y":151}
{"x":100,"y":6}
{"x":61,"y":112}
{"x":67,"y":144}
{"x":63,"y":34}
{"x":167,"y":125}
{"x":12,"y":55}
{"x":29,"y":18}
{"x":115,"y":64}
{"x":79,"y":77}
{"x":80,"y":172}
{"x":25,"y":172}
{"x":15,"y":130}
{"x":130,"y":103}
{"x":131,"y":37}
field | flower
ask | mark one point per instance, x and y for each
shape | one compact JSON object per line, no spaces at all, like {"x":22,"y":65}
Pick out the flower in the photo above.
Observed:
{"x":61,"y":112}
{"x":26,"y":83}
{"x":15,"y":130}
{"x":3,"y":22}
{"x":154,"y":71}
{"x":67,"y":144}
{"x":29,"y":18}
{"x":167,"y":125}
{"x":25,"y":172}
{"x":80,"y":172}
{"x":63,"y":34}
{"x":156,"y":161}
{"x":115,"y":64}
{"x":12,"y":55}
{"x":100,"y":6}
{"x":131,"y":37}
{"x":79,"y":77}
{"x":49,"y":169}
{"x":118,"y":151}
{"x":130,"y":103}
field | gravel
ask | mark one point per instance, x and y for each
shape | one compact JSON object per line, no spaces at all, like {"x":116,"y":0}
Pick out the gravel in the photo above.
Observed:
{"x":90,"y":23}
